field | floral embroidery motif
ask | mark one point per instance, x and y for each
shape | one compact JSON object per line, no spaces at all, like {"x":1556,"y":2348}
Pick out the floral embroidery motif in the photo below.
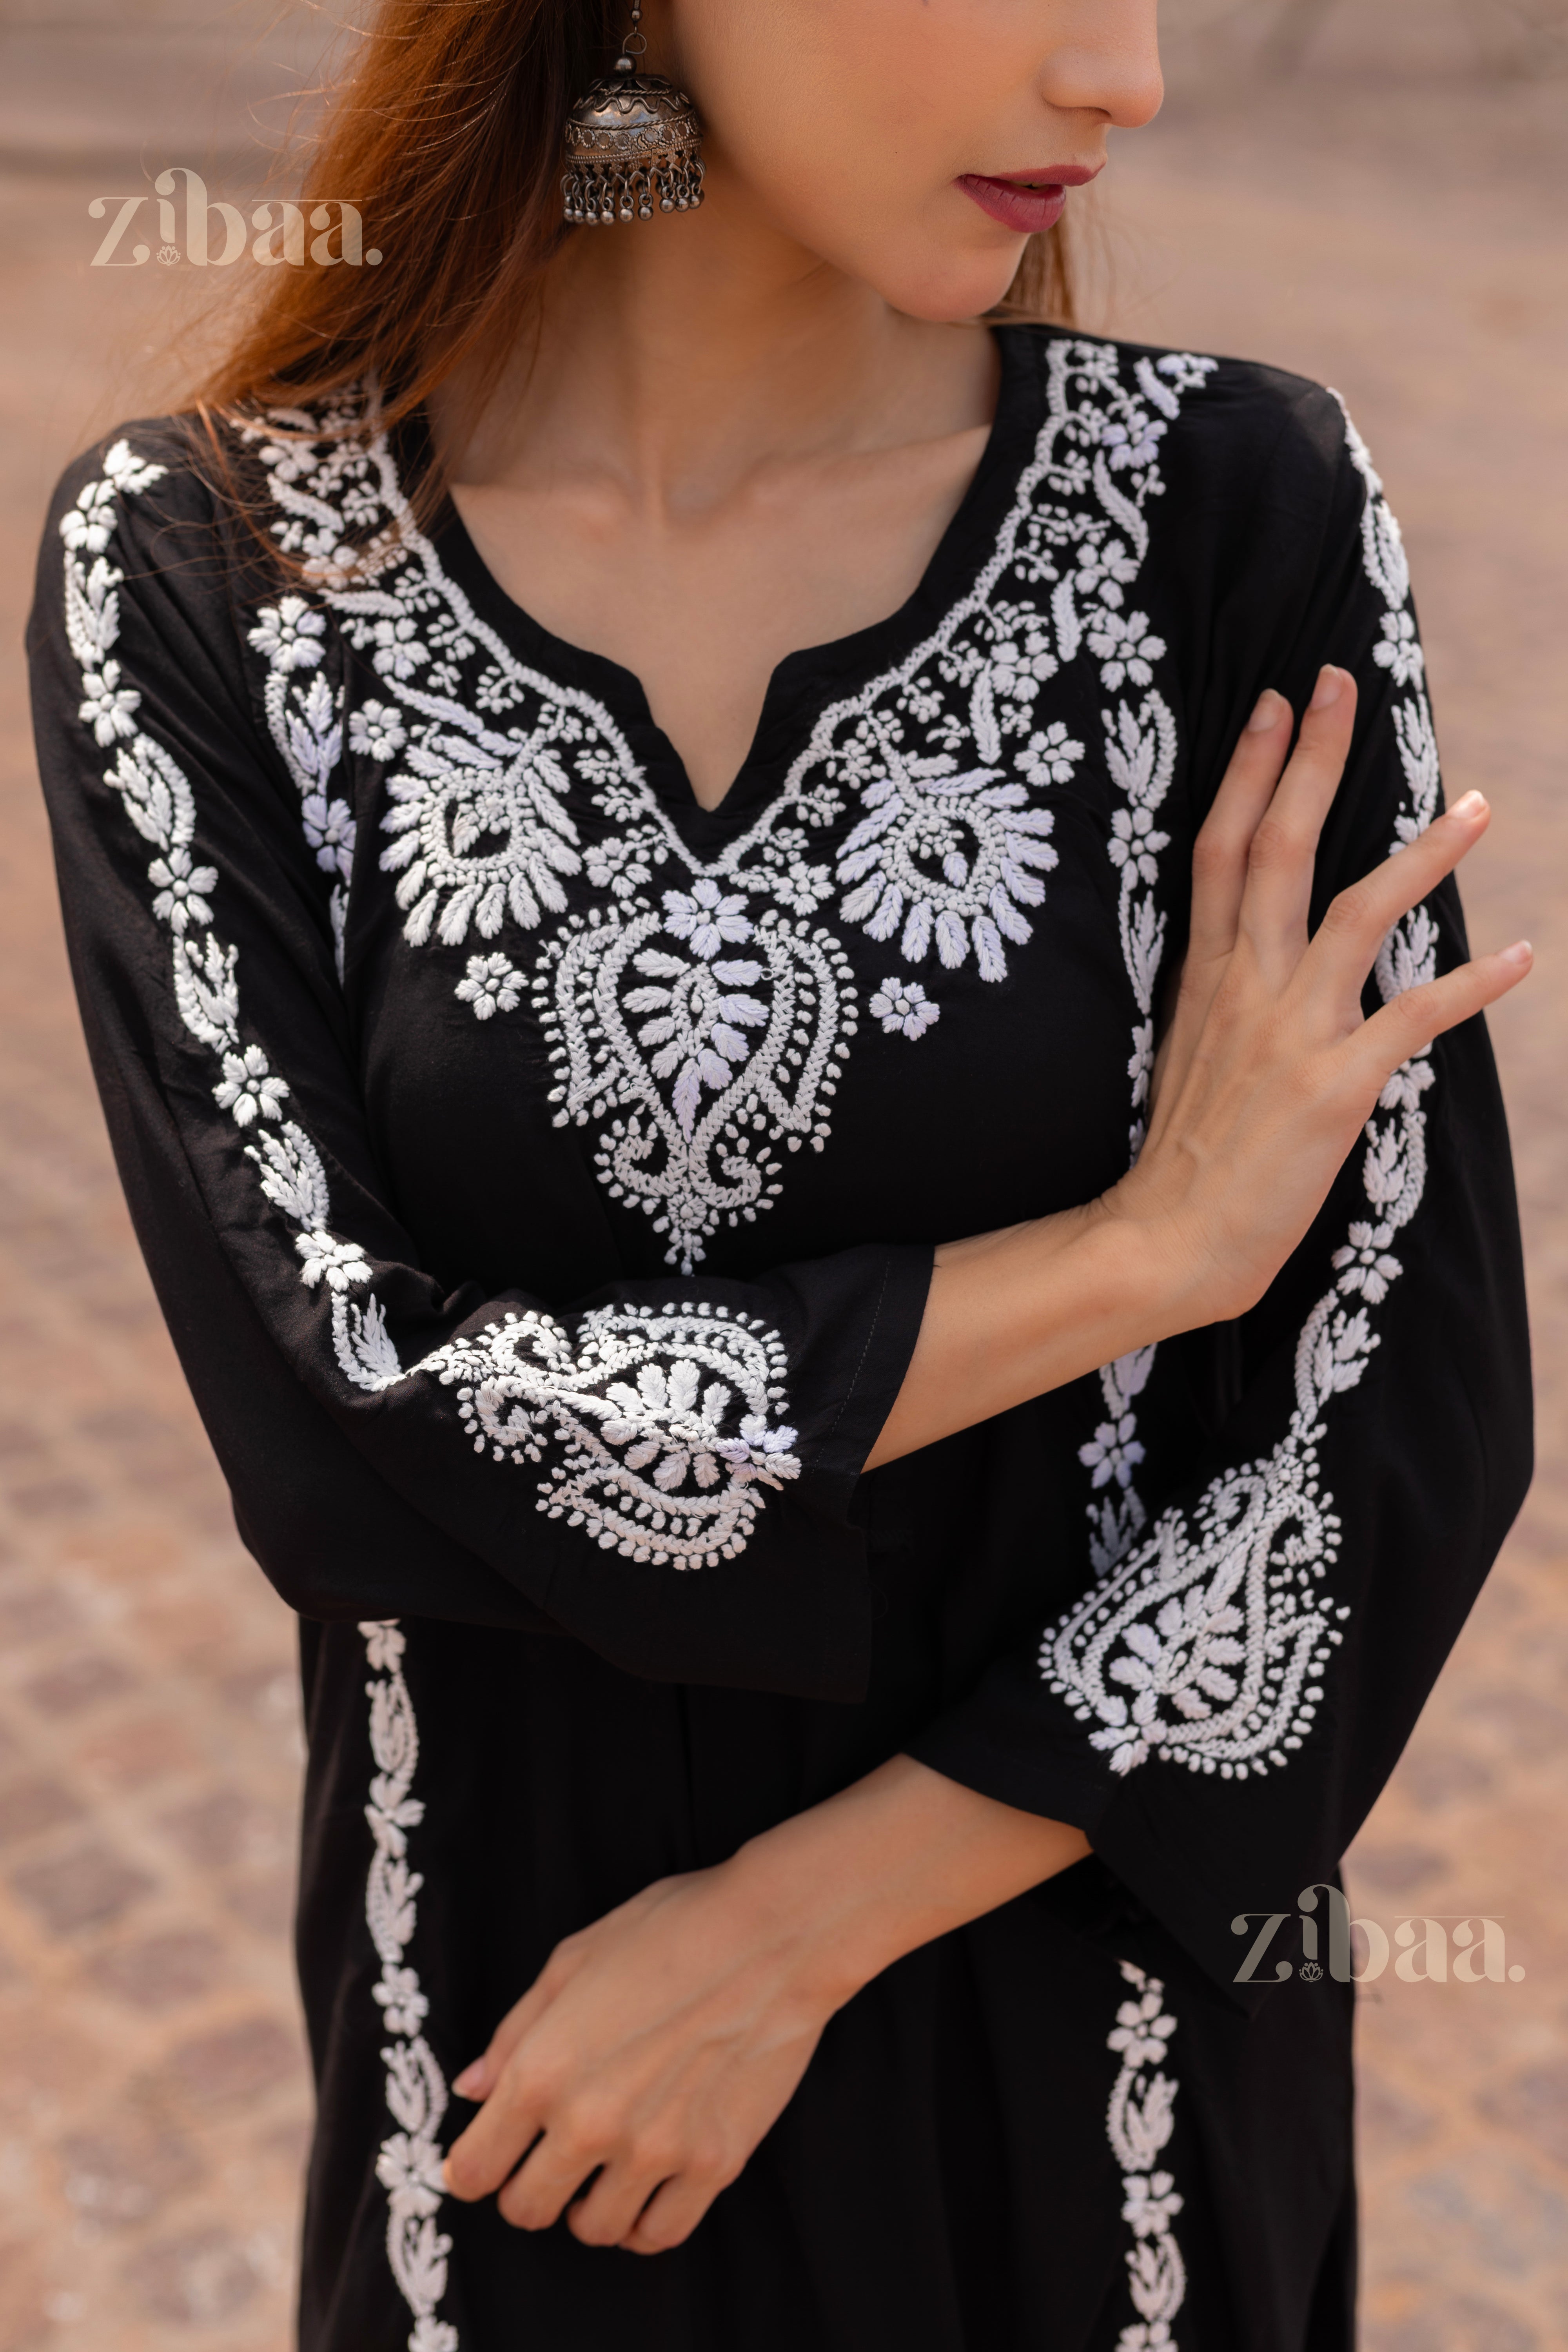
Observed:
{"x":408,"y":2165}
{"x":903,"y":1005}
{"x":1138,"y":2124}
{"x":1207,"y":1643}
{"x":698,"y":1014}
{"x":491,"y":984}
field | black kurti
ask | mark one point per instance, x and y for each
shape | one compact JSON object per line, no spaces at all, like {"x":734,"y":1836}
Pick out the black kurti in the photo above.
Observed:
{"x":540,"y":1175}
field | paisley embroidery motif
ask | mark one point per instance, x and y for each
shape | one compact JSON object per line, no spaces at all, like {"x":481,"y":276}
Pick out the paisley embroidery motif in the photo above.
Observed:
{"x":661,"y":1422}
{"x":697,"y":1041}
{"x":912,"y":814}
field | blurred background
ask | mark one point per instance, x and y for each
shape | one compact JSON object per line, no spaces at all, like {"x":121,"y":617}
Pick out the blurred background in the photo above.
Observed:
{"x":1371,"y":192}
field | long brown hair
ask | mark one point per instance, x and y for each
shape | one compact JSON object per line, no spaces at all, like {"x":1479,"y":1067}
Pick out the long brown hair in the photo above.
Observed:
{"x":446,"y":133}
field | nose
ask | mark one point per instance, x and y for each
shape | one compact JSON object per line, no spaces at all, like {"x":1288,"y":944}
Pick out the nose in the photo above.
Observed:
{"x":1105,"y":59}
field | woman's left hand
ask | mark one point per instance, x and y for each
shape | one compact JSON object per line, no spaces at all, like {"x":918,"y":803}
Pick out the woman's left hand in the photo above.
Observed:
{"x":653,"y":2053}
{"x":659,"y":2045}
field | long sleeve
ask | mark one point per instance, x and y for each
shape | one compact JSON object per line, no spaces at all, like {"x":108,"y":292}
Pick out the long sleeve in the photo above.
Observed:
{"x":1220,"y":1707}
{"x":664,"y":1468}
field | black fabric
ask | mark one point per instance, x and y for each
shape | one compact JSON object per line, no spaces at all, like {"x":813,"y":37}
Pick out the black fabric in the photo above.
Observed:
{"x":557,"y":1330}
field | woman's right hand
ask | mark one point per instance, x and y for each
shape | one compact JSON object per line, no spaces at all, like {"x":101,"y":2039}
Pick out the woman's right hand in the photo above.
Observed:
{"x":1270,"y":1070}
{"x":1266,"y":1073}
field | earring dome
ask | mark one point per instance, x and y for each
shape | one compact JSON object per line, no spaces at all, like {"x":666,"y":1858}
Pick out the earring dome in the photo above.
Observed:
{"x":632,"y":140}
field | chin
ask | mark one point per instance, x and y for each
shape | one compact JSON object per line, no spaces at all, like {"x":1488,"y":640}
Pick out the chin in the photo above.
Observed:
{"x":944,"y":288}
{"x":947,"y":295}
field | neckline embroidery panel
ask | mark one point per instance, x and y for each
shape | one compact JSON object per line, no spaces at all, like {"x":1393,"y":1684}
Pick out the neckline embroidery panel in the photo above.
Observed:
{"x":699,"y":1012}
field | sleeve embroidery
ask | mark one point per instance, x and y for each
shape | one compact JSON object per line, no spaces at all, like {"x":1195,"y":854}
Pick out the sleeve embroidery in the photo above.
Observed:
{"x":662,"y":1422}
{"x":1207,"y":1643}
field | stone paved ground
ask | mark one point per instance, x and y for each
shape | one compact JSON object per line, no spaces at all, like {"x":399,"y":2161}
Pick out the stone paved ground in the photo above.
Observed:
{"x":1374,"y":216}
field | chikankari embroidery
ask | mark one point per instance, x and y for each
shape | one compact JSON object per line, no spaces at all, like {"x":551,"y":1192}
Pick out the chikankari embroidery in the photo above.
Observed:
{"x":408,"y":2164}
{"x":1138,"y":2124}
{"x":699,"y":1015}
{"x":664,"y":1420}
{"x":656,"y":1433}
{"x":1208,"y":1643}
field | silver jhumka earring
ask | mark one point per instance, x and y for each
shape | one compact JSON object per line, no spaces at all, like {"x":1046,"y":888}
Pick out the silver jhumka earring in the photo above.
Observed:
{"x":633,"y":139}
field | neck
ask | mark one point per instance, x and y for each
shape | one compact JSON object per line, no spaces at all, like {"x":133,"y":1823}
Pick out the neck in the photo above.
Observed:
{"x":680,"y":354}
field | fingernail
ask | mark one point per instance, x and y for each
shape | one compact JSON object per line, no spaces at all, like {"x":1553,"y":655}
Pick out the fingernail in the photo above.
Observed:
{"x":469,"y":2081}
{"x":1469,"y":805}
{"x":446,"y":2175}
{"x":1328,"y":690}
{"x":1267,"y":712}
{"x":1520,"y":952}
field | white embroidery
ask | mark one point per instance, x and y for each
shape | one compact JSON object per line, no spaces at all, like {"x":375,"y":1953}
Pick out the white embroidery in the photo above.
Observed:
{"x":687,"y":1397}
{"x":903,"y":1005}
{"x":1208,"y":1645}
{"x":491,"y":984}
{"x":1138,"y":2124}
{"x":305,"y":724}
{"x":408,"y":2165}
{"x":697,"y":1046}
{"x":664,"y":1420}
{"x":698,"y":1015}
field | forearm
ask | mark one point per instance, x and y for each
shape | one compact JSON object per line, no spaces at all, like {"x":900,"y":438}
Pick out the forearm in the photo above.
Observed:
{"x":1013,"y":1314}
{"x":898,"y":1858}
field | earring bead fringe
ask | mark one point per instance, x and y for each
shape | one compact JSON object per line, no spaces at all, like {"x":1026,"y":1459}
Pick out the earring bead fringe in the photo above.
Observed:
{"x":632,"y":142}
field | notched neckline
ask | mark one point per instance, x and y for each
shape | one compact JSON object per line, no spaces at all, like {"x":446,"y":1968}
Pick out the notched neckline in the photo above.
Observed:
{"x":800,"y":681}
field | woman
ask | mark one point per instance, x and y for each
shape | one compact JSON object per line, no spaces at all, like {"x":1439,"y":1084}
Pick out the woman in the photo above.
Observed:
{"x":799,"y":1716}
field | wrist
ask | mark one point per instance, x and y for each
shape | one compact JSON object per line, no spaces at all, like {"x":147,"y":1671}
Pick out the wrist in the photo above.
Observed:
{"x":1146,"y":1265}
{"x":791,"y":1902}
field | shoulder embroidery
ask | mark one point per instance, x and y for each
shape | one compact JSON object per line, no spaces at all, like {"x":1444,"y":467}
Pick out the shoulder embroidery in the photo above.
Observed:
{"x":408,"y":2164}
{"x":659,"y":1428}
{"x":304,"y":715}
{"x":698,"y":1015}
{"x":1208,"y":1643}
{"x":1138,"y":2124}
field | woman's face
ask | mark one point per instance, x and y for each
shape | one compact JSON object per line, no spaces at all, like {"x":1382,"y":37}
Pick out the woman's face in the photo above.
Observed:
{"x":894,"y":138}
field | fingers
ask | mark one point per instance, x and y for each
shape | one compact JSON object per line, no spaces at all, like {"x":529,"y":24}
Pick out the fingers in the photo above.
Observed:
{"x":481,"y":2158}
{"x":1281,"y":859}
{"x":571,"y":2152}
{"x":671,"y":2215}
{"x":1409,"y":1022}
{"x":478,"y":2080}
{"x":1220,"y":851}
{"x":1358,"y":920}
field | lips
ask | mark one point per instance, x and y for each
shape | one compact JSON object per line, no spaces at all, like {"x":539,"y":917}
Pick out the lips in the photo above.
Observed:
{"x":1026,"y":202}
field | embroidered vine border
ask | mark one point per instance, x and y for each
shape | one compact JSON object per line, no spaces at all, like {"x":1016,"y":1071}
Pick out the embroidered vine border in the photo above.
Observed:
{"x":157,"y":797}
{"x":1208,"y":1643}
{"x":408,"y":2163}
{"x":1139,"y":2123}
